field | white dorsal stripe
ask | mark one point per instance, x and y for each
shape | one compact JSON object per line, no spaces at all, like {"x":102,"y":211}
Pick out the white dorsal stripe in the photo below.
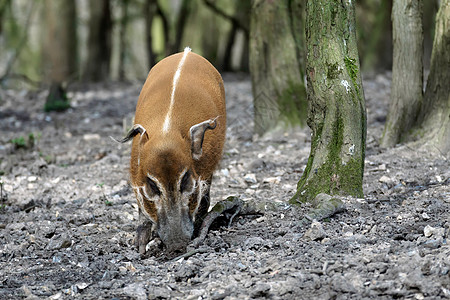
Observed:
{"x":176,"y":77}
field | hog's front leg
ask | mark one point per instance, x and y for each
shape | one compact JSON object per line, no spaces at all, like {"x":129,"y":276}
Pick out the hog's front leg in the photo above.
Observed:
{"x":144,"y":233}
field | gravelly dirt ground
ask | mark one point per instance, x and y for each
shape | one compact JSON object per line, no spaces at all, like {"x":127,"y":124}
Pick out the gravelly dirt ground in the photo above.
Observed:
{"x":68,"y":216}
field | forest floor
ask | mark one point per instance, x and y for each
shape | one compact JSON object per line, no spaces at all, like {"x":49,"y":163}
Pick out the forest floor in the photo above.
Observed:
{"x":68,"y":216}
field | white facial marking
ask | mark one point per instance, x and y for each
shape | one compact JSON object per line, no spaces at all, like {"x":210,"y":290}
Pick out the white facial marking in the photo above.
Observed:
{"x":176,"y":77}
{"x":203,"y":187}
{"x":156,"y":198}
{"x":194,"y":186}
{"x":140,"y":199}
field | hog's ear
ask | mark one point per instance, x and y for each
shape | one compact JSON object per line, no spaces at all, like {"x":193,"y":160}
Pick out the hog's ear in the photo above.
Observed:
{"x":197,"y":134}
{"x":135,"y":130}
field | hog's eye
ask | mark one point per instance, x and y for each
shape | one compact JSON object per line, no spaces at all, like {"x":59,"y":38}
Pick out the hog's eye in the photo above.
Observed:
{"x":185,"y":182}
{"x":153,"y":187}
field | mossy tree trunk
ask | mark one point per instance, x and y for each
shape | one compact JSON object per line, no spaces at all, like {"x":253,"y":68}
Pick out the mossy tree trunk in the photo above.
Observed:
{"x":407,"y":71}
{"x":337,"y":114}
{"x":60,"y":50}
{"x":99,"y":41}
{"x":434,"y":118}
{"x":277,"y":63}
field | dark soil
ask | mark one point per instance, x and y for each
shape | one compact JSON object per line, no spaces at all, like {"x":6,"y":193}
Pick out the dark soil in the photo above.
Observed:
{"x":68,"y":216}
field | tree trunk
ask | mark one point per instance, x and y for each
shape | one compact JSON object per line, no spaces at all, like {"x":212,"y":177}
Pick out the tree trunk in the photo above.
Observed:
{"x":99,"y":41}
{"x":60,"y":49}
{"x":434,"y":118}
{"x":150,"y":8}
{"x":277,"y":72}
{"x":337,"y":114}
{"x":407,"y":71}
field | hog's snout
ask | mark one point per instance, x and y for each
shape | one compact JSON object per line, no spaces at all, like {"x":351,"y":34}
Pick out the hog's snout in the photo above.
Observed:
{"x":175,"y":233}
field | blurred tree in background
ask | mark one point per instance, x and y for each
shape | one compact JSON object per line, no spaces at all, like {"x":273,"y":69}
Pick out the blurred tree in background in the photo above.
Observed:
{"x":407,"y":71}
{"x":277,"y":63}
{"x":60,"y":54}
{"x":97,"y":65}
{"x":433,"y":124}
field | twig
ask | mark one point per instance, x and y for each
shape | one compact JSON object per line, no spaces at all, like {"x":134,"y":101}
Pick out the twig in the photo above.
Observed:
{"x":233,"y":204}
{"x":190,"y":253}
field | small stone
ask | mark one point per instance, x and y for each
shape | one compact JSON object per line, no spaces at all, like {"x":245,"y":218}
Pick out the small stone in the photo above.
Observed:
{"x":348,"y":234}
{"x":254,"y":242}
{"x":315,"y":232}
{"x":225,"y":172}
{"x":56,"y":259}
{"x":82,"y":285}
{"x":260,"y":290}
{"x":429,"y":231}
{"x":385,"y":179}
{"x":272,"y":180}
{"x":32,"y":178}
{"x":419,"y":296}
{"x":27,"y":292}
{"x":56,"y":296}
{"x":59,"y":242}
{"x":257,"y":164}
{"x":250,"y":178}
{"x":425,"y":216}
{"x":250,"y":191}
{"x":135,"y":291}
{"x":432,"y":244}
{"x":91,"y":137}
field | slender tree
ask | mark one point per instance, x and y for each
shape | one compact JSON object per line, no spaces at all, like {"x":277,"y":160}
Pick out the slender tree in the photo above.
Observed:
{"x":97,"y":66}
{"x":277,"y":63}
{"x":122,"y":38}
{"x":180,"y":24}
{"x":337,"y":115}
{"x":60,"y":49}
{"x":150,"y":8}
{"x":407,"y":71}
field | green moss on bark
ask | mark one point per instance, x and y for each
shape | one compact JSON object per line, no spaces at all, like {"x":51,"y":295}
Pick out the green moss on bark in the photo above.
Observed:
{"x":333,"y":177}
{"x":352,"y":69}
{"x":333,"y":71}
